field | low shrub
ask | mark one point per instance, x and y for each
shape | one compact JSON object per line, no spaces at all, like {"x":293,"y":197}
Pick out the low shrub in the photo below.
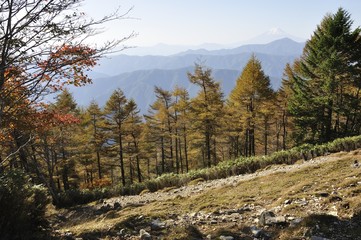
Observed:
{"x":132,"y":189}
{"x":22,"y":206}
{"x":224,"y":169}
{"x":245,"y":165}
{"x":76,"y":196}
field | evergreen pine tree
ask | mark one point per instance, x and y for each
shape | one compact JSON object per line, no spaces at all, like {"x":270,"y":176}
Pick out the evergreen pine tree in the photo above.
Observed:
{"x":325,"y":101}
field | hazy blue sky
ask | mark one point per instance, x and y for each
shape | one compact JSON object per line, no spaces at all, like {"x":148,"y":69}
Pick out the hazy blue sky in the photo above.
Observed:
{"x":193,"y":22}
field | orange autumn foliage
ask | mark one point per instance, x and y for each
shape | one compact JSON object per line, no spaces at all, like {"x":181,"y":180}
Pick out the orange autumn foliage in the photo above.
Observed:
{"x":67,"y":65}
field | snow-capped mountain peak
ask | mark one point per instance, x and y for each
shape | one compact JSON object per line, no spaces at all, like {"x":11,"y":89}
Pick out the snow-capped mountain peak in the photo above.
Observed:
{"x":276,"y":31}
{"x":272,"y":35}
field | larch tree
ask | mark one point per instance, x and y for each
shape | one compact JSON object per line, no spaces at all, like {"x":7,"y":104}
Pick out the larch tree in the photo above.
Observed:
{"x":181,"y":124}
{"x":96,"y":122}
{"x":282,"y":116}
{"x":65,"y":105}
{"x":133,"y":128}
{"x":159,"y":128}
{"x":251,"y":92}
{"x":165,"y":102}
{"x":206,"y":109}
{"x":117,"y":112}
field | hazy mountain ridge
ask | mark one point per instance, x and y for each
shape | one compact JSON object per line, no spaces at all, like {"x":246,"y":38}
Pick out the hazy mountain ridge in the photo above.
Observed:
{"x":282,"y":47}
{"x":137,"y":75}
{"x":139,"y":85}
{"x":219,"y":59}
{"x":163,"y":49}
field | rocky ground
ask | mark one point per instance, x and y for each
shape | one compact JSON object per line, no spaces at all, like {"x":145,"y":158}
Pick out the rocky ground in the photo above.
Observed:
{"x":315,"y":199}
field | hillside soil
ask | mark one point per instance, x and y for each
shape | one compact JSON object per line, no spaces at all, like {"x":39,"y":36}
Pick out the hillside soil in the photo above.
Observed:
{"x":315,"y":199}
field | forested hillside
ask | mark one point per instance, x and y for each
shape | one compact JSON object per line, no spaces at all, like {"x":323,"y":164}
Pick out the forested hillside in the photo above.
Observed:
{"x":65,"y":151}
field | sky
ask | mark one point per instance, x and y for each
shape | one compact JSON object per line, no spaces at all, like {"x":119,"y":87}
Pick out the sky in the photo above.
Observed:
{"x":195,"y":22}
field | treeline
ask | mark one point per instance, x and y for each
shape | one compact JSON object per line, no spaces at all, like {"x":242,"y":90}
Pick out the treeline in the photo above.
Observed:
{"x":66,"y":147}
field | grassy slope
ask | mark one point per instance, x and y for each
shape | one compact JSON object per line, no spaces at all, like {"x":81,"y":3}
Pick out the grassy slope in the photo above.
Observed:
{"x":332,"y":187}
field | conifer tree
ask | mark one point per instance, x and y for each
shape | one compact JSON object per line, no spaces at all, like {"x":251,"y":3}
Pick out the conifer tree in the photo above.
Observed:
{"x":133,"y":130}
{"x":117,"y":112}
{"x":248,"y":97}
{"x":207,"y":109}
{"x":326,"y":87}
{"x":165,"y":103}
{"x":159,"y":128}
{"x":181,"y":122}
{"x":283,"y":118}
{"x":94,"y":121}
{"x":65,"y":104}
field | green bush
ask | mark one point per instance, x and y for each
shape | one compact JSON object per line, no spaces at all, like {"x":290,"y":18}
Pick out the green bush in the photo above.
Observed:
{"x":132,"y":189}
{"x":76,"y":197}
{"x":22,"y":206}
{"x":245,"y":165}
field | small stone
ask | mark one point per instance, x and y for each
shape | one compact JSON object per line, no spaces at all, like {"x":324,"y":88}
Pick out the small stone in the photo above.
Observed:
{"x":226,"y":237}
{"x":303,"y":203}
{"x":144,"y":235}
{"x":288,"y":201}
{"x":259,"y":233}
{"x":157,"y":225}
{"x":121,"y":232}
{"x":356,"y":164}
{"x":244,"y":209}
{"x":265,"y":217}
{"x":268,"y":218}
{"x":255,"y":231}
{"x":295,"y":222}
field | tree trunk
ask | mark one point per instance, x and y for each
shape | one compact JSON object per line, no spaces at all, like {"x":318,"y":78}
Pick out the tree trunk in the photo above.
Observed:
{"x":121,"y":157}
{"x":185,"y":148}
{"x":214,"y":151}
{"x":180,"y":155}
{"x":163,"y":154}
{"x":177,"y":151}
{"x":265,"y":135}
{"x":284,"y":124}
{"x":99,"y":165}
{"x":208,"y":148}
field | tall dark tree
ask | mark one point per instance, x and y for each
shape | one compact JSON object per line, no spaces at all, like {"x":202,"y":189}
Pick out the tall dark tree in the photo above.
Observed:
{"x":326,"y":98}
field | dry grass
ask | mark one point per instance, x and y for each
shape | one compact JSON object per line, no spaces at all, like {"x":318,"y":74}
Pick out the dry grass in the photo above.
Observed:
{"x":335,"y":185}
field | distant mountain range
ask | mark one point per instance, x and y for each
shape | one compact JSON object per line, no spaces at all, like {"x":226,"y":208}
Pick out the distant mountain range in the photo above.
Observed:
{"x":162,"y":49}
{"x":137,"y":75}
